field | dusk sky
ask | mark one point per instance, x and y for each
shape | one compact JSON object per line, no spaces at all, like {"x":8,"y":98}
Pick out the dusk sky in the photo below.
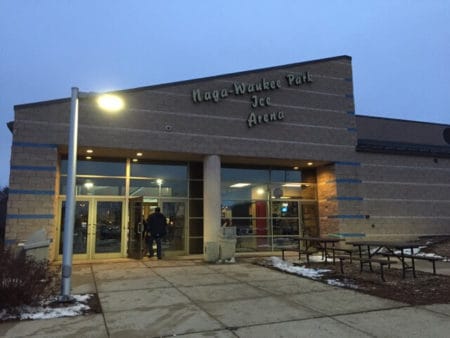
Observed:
{"x":400,"y":49}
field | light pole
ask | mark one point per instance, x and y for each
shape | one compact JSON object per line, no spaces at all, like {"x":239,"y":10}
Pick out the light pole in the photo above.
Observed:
{"x":107,"y":102}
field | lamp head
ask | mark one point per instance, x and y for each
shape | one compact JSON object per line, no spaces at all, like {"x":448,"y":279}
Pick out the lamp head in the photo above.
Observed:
{"x":110,"y":102}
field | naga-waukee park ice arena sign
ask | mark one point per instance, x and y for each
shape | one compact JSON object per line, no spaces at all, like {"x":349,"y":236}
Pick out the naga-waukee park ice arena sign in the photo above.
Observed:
{"x":259,"y":95}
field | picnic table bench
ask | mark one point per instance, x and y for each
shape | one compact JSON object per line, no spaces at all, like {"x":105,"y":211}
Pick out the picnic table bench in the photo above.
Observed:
{"x":432,"y":259}
{"x":366,"y":255}
{"x":366,"y":261}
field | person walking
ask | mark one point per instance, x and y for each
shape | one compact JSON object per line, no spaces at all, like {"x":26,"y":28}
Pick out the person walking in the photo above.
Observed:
{"x":156,"y":229}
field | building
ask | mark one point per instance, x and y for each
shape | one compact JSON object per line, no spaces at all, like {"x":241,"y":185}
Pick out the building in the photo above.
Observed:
{"x":275,"y":152}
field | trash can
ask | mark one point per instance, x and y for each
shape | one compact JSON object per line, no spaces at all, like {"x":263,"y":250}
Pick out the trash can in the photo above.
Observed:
{"x":211,"y":253}
{"x":37,"y":245}
{"x":227,"y":244}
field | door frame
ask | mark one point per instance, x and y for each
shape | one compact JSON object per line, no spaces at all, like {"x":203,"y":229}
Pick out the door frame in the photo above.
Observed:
{"x":158,"y":201}
{"x":91,"y":233}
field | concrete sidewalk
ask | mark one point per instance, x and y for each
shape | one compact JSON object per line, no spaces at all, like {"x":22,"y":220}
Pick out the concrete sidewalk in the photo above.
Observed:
{"x":189,"y":298}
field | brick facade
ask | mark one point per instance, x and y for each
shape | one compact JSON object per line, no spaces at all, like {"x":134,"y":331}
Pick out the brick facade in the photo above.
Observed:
{"x":283,"y":116}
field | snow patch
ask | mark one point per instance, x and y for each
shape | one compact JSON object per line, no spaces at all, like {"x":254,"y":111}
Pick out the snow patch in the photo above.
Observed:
{"x":298,"y":270}
{"x":342,"y":284}
{"x":50,"y":309}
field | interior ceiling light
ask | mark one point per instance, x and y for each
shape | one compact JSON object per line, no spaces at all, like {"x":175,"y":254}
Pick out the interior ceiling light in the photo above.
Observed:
{"x":89,"y":151}
{"x":310,"y":163}
{"x":139,"y":154}
{"x":134,"y":159}
{"x":292,"y":185}
{"x":88,"y":157}
{"x":239,"y":185}
{"x":296,"y":168}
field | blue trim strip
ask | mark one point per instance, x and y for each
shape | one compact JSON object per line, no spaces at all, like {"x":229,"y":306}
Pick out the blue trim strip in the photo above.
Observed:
{"x":348,"y":216}
{"x":34,"y":145}
{"x":10,"y":241}
{"x":32,"y":168}
{"x":351,"y":112}
{"x":349,"y":79}
{"x":346,"y":180}
{"x":31,"y":192}
{"x":349,"y":96}
{"x":348,"y":234}
{"x":346,"y":198}
{"x":28,"y":216}
{"x":354,"y":130}
{"x":356,"y":164}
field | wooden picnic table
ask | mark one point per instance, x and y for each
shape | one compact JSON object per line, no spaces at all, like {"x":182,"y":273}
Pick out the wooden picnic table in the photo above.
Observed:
{"x":309,"y":245}
{"x":320,"y":243}
{"x":391,"y":247}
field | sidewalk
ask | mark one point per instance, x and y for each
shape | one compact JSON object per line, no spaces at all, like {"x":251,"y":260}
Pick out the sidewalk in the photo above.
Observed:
{"x":189,"y":298}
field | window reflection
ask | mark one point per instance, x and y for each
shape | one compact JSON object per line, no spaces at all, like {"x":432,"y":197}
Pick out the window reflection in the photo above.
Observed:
{"x":101,"y":168}
{"x":150,"y":187}
{"x":96,"y":186}
{"x":267,"y":205}
{"x":162,"y":171}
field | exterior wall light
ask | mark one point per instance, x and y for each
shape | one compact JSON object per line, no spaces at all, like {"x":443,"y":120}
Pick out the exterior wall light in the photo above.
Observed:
{"x":110,"y":103}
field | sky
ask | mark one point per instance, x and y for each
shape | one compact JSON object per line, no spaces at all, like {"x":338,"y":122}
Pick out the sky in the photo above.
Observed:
{"x":400,"y":49}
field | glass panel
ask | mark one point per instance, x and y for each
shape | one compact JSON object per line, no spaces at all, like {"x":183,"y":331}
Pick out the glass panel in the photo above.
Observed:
{"x":239,"y":191}
{"x":102,"y":168}
{"x":162,"y":171}
{"x":285,"y":218}
{"x":295,"y":190}
{"x":253,"y":243}
{"x":175,"y":214}
{"x":246,"y":193}
{"x":196,"y":170}
{"x":158,"y":187}
{"x":245,"y":175}
{"x":80,"y":227}
{"x":108,"y":227}
{"x":249,"y":217}
{"x":136,"y":243}
{"x":284,"y":241}
{"x":96,"y":186}
{"x":195,"y":245}
{"x":286,"y":176}
{"x":196,"y":208}
{"x":196,"y":188}
{"x":196,"y":227}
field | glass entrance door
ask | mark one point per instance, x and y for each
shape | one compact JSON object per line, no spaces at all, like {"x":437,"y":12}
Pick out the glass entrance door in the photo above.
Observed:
{"x":175,"y":212}
{"x":97,"y":228}
{"x":136,"y":245}
{"x":108,"y":228}
{"x":174,"y":243}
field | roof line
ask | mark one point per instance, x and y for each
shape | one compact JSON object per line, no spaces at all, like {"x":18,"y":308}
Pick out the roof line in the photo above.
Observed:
{"x":400,"y":120}
{"x":182,"y":82}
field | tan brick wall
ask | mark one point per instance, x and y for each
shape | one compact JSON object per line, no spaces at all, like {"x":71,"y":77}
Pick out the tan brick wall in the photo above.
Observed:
{"x":328,"y":206}
{"x":31,"y":202}
{"x":318,"y":116}
{"x":406,"y":196}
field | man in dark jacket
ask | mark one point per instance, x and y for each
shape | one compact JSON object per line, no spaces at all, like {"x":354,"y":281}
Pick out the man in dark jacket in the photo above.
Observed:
{"x":155,"y":228}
